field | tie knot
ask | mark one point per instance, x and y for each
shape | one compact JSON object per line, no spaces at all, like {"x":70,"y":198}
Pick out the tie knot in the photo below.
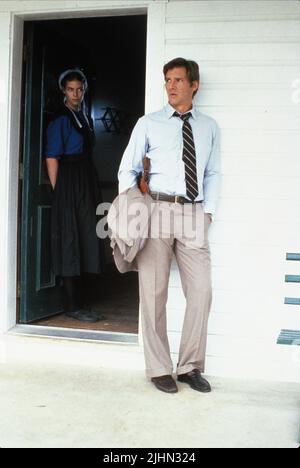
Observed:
{"x":184,"y":117}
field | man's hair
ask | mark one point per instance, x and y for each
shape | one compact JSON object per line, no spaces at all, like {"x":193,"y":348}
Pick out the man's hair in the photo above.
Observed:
{"x":192,"y":69}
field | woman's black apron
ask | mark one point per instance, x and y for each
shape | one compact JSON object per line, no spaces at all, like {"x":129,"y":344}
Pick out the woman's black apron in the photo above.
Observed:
{"x":76,"y":249}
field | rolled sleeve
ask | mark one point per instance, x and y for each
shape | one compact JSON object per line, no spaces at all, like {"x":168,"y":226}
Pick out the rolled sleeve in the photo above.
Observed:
{"x":55,"y":138}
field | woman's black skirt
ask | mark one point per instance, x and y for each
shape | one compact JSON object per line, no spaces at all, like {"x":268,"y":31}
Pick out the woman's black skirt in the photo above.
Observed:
{"x":76,"y":249}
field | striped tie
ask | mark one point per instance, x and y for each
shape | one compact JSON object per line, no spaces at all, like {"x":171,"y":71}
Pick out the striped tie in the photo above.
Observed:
{"x":189,"y":157}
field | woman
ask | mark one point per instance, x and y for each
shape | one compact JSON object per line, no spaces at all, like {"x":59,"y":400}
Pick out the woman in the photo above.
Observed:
{"x":75,"y":247}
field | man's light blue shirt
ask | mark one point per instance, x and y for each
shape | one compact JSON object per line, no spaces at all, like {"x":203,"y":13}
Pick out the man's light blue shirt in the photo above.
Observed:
{"x":159,"y":136}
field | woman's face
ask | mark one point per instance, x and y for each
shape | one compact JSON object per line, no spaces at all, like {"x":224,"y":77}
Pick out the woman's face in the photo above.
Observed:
{"x":74,"y":92}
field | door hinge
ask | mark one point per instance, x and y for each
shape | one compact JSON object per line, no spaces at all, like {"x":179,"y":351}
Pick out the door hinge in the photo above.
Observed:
{"x":18,"y":291}
{"x":21,"y":171}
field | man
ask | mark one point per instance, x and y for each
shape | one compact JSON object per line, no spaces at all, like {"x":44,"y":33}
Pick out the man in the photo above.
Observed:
{"x":183,"y":146}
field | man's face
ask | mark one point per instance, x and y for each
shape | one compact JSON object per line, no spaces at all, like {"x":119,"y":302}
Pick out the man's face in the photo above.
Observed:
{"x":74,"y":92}
{"x":179,"y":89}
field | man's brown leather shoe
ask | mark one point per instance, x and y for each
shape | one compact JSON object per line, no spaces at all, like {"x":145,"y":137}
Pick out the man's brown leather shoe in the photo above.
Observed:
{"x":165,"y":383}
{"x":195,"y":380}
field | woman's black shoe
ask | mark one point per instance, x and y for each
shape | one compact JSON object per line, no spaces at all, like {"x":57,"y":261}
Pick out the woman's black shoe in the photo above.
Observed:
{"x":84,"y":316}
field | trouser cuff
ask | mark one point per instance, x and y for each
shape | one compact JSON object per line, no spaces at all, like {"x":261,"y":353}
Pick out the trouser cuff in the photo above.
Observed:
{"x":150,"y":373}
{"x":188,"y":368}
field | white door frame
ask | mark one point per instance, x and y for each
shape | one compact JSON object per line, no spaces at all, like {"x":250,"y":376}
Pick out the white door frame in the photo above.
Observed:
{"x":156,"y":12}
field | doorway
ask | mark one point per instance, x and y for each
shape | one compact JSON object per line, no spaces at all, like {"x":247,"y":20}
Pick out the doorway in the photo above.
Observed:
{"x":111,"y":51}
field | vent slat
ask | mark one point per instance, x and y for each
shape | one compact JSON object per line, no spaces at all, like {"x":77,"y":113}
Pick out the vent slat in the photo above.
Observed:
{"x":293,"y":257}
{"x":292,"y":278}
{"x":292,"y":300}
{"x":289,"y":337}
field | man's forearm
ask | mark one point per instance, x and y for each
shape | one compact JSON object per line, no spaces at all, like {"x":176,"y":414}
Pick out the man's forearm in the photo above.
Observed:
{"x":52,"y":168}
{"x":132,"y":160}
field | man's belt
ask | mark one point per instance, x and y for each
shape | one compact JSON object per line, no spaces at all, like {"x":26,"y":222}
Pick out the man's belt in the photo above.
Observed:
{"x":158,"y":196}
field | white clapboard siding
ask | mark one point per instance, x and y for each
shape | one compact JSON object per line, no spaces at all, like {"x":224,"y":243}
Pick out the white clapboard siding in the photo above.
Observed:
{"x":292,"y":289}
{"x":217,"y":11}
{"x":225,"y":73}
{"x":239,"y":141}
{"x":231,"y":209}
{"x":249,"y":256}
{"x":220,"y":345}
{"x":255,"y":96}
{"x":236,"y":323}
{"x":289,"y":319}
{"x":292,"y":268}
{"x":268,"y":120}
{"x":257,"y":165}
{"x":246,"y":280}
{"x":249,"y":57}
{"x":230,"y":32}
{"x":254,"y":232}
{"x":279,"y":364}
{"x":246,"y":304}
{"x":234,"y":52}
{"x":226,"y":301}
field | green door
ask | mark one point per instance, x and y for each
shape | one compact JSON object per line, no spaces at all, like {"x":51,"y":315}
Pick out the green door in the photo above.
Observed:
{"x":46,"y":57}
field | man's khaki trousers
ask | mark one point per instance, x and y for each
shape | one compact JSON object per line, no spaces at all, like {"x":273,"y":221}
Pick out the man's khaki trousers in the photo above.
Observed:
{"x":181,"y":230}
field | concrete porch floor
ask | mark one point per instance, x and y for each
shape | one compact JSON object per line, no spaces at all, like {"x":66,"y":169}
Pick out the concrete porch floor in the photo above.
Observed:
{"x":43,"y":405}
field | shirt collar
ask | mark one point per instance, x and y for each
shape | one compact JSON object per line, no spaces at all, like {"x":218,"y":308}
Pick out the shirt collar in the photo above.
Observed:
{"x":170,"y":111}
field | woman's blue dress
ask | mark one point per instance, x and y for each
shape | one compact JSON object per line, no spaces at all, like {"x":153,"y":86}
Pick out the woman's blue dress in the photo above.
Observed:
{"x":76,"y":249}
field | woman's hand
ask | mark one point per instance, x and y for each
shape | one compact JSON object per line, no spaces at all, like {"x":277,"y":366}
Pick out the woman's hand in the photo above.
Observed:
{"x":52,"y":168}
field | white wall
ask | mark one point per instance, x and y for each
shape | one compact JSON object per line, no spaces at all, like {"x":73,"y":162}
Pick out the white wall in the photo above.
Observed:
{"x":249,"y":55}
{"x":4,"y":149}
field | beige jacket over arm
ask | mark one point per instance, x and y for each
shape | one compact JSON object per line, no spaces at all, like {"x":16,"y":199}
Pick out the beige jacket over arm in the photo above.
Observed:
{"x":129,"y":209}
